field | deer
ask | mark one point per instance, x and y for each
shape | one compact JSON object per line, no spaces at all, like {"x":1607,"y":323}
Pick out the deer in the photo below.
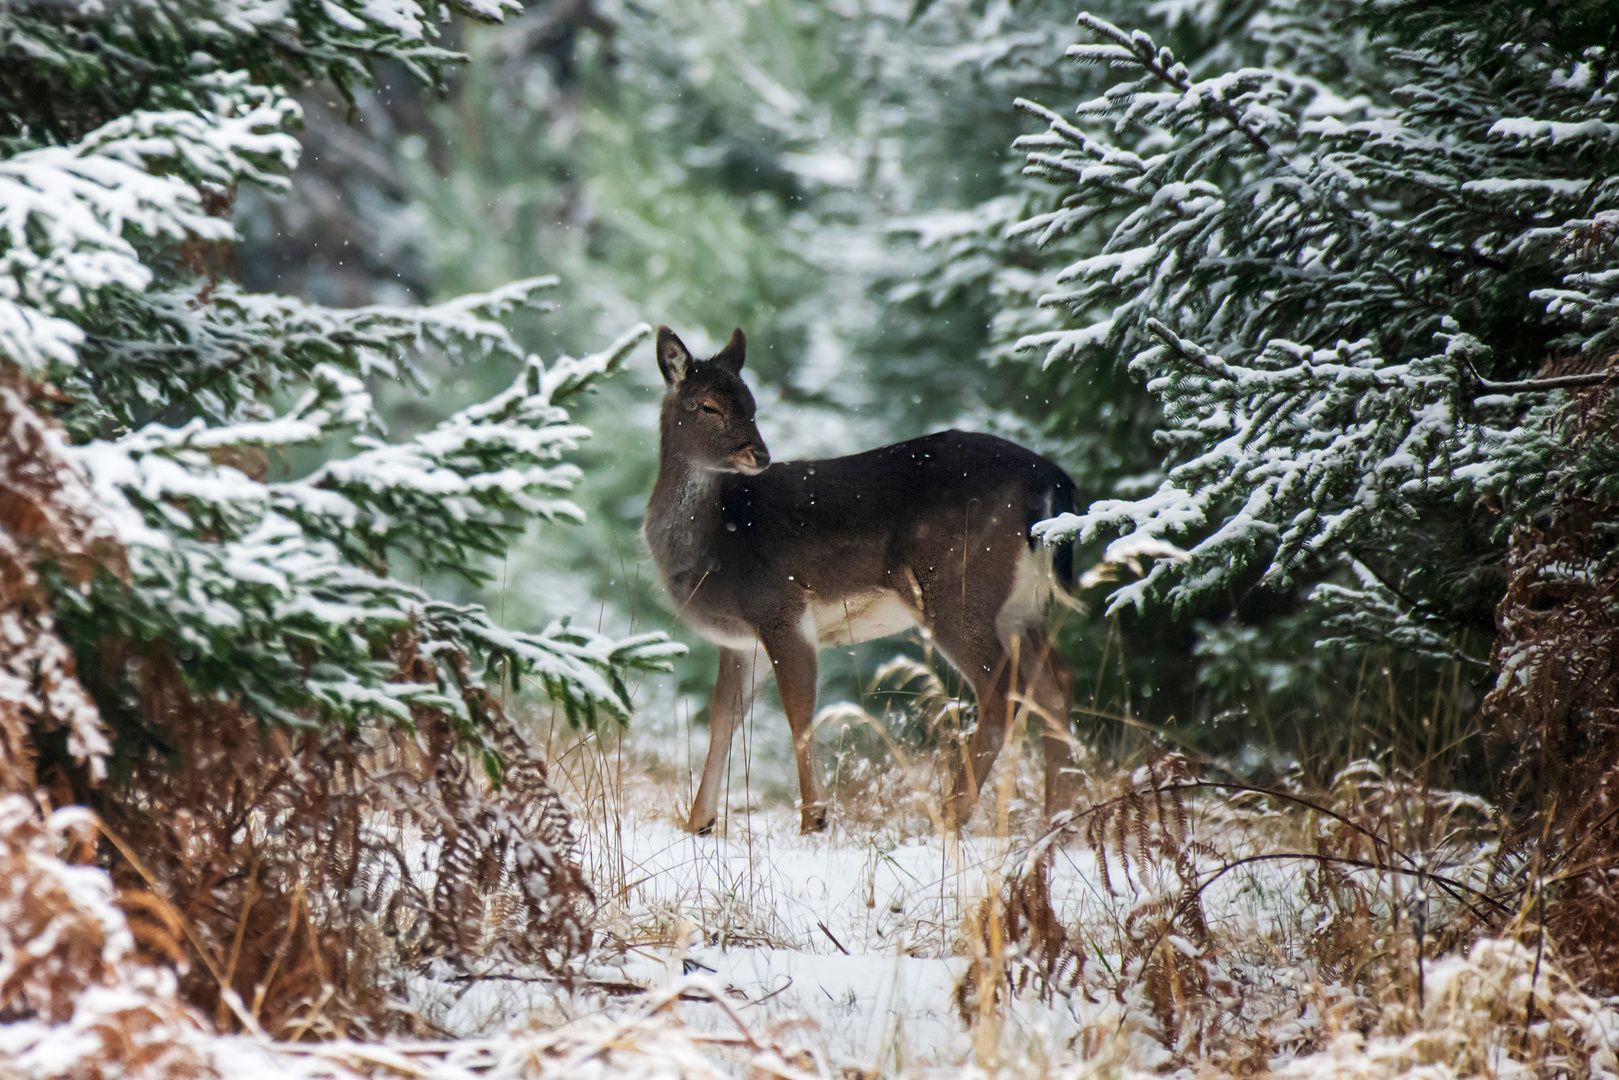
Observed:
{"x":786,"y":557}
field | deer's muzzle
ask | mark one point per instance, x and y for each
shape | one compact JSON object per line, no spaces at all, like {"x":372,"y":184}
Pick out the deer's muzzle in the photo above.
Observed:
{"x":750,"y":460}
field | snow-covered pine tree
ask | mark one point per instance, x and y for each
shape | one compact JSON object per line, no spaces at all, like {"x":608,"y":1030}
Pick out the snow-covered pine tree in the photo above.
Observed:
{"x":267,"y":679}
{"x":1341,"y":293}
{"x":1372,"y":276}
{"x":974,"y":287}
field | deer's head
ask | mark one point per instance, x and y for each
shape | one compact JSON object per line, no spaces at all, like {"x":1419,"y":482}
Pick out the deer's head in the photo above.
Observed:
{"x":707,"y":417}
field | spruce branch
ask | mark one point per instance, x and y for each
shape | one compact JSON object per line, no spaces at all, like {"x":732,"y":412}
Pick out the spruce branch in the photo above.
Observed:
{"x":1161,"y":63}
{"x":1282,"y":302}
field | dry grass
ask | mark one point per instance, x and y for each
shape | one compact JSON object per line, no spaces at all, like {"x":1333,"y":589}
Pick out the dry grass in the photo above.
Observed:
{"x":1173,"y":925}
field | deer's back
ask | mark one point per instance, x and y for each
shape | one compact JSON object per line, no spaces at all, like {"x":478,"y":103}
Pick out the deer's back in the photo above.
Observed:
{"x":877,"y":527}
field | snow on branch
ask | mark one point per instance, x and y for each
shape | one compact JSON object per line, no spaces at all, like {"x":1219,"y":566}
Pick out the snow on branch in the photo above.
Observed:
{"x":1299,"y":453}
{"x":270,"y":574}
{"x":569,"y":377}
{"x":1370,"y":610}
{"x":218,"y":348}
{"x":450,"y":490}
{"x":68,"y":213}
{"x":1281,"y":255}
{"x":137,"y":52}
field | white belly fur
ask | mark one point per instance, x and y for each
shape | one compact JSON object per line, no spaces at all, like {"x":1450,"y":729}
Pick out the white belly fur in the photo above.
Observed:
{"x":860,"y":617}
{"x":742,"y":643}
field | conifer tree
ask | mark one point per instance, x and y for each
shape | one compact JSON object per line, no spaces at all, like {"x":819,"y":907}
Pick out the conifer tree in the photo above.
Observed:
{"x":1370,"y":270}
{"x":250,"y":638}
{"x":1340,"y":292}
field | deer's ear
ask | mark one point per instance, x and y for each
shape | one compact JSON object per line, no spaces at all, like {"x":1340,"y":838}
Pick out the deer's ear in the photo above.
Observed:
{"x":674,"y":359}
{"x":734,"y":353}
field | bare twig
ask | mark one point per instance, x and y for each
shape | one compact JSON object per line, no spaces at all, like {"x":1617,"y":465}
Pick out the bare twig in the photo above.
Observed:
{"x":832,"y":937}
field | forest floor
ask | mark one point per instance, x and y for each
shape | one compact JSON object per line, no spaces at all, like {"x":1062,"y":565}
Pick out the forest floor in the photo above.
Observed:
{"x":884,"y":947}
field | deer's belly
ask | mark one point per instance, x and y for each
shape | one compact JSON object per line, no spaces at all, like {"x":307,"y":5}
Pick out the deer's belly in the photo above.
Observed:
{"x":733,"y":634}
{"x":859,"y":617}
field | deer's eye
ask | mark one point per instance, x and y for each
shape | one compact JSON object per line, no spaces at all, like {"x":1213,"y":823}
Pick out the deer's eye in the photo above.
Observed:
{"x":711,"y":410}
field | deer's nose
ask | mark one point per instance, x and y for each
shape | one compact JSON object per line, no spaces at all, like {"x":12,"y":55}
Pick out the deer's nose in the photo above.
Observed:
{"x":752,"y":459}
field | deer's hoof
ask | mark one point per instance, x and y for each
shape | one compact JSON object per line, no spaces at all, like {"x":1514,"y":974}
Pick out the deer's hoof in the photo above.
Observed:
{"x":813,"y":821}
{"x":706,"y":829}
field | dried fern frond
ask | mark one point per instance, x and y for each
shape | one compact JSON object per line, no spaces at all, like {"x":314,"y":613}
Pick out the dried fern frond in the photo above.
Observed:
{"x":1556,"y":709}
{"x":46,"y":514}
{"x":78,"y":1000}
{"x":313,"y":874}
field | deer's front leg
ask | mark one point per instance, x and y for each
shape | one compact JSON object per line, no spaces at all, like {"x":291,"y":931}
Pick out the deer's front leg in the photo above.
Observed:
{"x":732,"y":691}
{"x":793,"y":657}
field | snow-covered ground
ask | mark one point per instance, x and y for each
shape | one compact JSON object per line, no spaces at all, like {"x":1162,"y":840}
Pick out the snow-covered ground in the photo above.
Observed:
{"x":846,"y":954}
{"x":854,"y":952}
{"x":855,"y":938}
{"x":884,"y":948}
{"x":859,"y":942}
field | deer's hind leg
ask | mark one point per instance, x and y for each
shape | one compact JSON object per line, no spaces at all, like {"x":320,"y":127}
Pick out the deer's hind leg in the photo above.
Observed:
{"x":1022,"y":675}
{"x":1048,"y":692}
{"x":990,"y":626}
{"x":976,"y":653}
{"x":965,"y":593}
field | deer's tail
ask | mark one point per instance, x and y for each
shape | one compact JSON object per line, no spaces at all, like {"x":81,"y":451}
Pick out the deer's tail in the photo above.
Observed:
{"x":1052,"y":494}
{"x":1060,"y":500}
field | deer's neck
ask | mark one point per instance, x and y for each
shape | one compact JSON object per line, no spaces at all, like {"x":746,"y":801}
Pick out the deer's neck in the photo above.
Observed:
{"x":683,"y":520}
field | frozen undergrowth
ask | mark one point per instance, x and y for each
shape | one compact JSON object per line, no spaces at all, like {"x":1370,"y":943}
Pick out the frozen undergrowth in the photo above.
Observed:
{"x":855,"y":950}
{"x":767,"y":953}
